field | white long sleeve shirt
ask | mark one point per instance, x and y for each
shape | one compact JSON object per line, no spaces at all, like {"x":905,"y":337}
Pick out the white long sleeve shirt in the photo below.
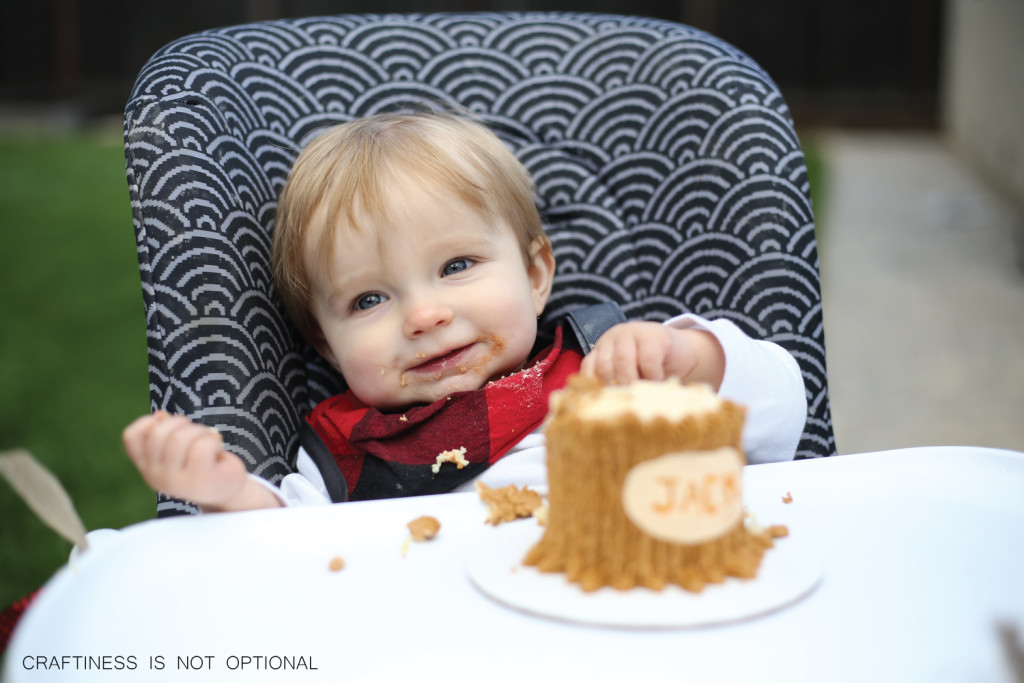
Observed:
{"x":760,"y":375}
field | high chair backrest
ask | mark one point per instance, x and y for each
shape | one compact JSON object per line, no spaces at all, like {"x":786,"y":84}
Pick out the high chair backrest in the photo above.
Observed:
{"x":669,"y":176}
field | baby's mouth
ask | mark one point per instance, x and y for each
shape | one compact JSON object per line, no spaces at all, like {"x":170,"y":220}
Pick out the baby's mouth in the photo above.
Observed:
{"x":455,"y":358}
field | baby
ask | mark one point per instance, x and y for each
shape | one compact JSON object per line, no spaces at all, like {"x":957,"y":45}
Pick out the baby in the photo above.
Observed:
{"x":409,"y":252}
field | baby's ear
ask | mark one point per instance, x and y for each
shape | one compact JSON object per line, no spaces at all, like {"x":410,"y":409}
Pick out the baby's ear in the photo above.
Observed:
{"x":541,"y":271}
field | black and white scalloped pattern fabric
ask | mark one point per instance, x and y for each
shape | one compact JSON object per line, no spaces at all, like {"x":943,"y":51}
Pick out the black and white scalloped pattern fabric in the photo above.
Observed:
{"x":668,"y":172}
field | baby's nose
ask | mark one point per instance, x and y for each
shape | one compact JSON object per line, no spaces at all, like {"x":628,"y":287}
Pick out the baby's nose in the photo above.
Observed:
{"x":426,"y":315}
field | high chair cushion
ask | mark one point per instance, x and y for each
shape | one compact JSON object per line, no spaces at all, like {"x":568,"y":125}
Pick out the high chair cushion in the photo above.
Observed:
{"x":668,"y":173}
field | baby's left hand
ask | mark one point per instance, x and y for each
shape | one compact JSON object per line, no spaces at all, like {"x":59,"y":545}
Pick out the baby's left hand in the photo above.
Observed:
{"x":649,"y":350}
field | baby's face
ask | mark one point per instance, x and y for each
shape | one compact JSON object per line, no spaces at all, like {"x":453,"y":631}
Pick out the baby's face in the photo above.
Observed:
{"x":435,"y":302}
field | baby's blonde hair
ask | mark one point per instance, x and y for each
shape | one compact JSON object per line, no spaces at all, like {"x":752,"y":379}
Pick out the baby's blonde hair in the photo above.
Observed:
{"x":353,"y":168}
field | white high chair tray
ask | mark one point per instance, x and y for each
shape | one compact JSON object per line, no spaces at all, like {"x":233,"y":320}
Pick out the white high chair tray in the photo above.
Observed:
{"x":921,"y":558}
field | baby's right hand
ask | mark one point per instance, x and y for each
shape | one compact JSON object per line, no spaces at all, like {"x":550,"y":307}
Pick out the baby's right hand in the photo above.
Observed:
{"x":184,"y":459}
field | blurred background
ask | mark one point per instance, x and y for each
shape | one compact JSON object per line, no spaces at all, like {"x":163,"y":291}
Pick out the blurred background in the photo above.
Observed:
{"x":910,"y":112}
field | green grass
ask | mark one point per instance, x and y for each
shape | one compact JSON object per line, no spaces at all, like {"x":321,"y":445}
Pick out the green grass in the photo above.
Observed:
{"x":72,"y":340}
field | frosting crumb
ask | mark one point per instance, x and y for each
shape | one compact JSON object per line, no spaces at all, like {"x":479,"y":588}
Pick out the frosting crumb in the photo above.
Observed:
{"x":456,"y":455}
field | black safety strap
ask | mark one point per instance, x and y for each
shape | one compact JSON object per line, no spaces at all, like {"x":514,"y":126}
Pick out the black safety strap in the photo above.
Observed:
{"x":318,"y":452}
{"x":590,"y":322}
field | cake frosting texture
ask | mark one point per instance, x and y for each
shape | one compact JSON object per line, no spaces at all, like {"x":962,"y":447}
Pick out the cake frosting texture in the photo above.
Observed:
{"x":645,"y":488}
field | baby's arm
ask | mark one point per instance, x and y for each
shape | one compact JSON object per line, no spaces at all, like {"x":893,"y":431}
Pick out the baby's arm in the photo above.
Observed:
{"x":187,"y":460}
{"x":650,"y":350}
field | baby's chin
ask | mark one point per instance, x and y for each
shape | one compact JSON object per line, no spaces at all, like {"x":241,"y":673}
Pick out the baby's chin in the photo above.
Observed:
{"x":426,"y":391}
{"x":425,"y":395}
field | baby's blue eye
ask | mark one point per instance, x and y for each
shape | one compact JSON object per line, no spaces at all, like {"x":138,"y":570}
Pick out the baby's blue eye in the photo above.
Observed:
{"x":457,"y":266}
{"x":367,"y":301}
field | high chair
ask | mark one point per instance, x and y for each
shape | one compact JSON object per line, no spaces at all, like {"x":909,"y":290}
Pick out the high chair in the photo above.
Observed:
{"x":669,"y":177}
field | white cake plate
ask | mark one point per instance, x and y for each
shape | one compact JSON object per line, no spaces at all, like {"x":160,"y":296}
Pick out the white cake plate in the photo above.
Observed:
{"x":788,"y":572}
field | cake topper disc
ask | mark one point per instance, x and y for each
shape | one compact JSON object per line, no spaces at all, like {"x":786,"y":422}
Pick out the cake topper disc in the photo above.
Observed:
{"x":687,"y":497}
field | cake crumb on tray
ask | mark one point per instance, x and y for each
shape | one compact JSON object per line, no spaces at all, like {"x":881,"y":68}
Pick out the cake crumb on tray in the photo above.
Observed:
{"x":509,"y":503}
{"x":424,"y":528}
{"x":421,"y":529}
